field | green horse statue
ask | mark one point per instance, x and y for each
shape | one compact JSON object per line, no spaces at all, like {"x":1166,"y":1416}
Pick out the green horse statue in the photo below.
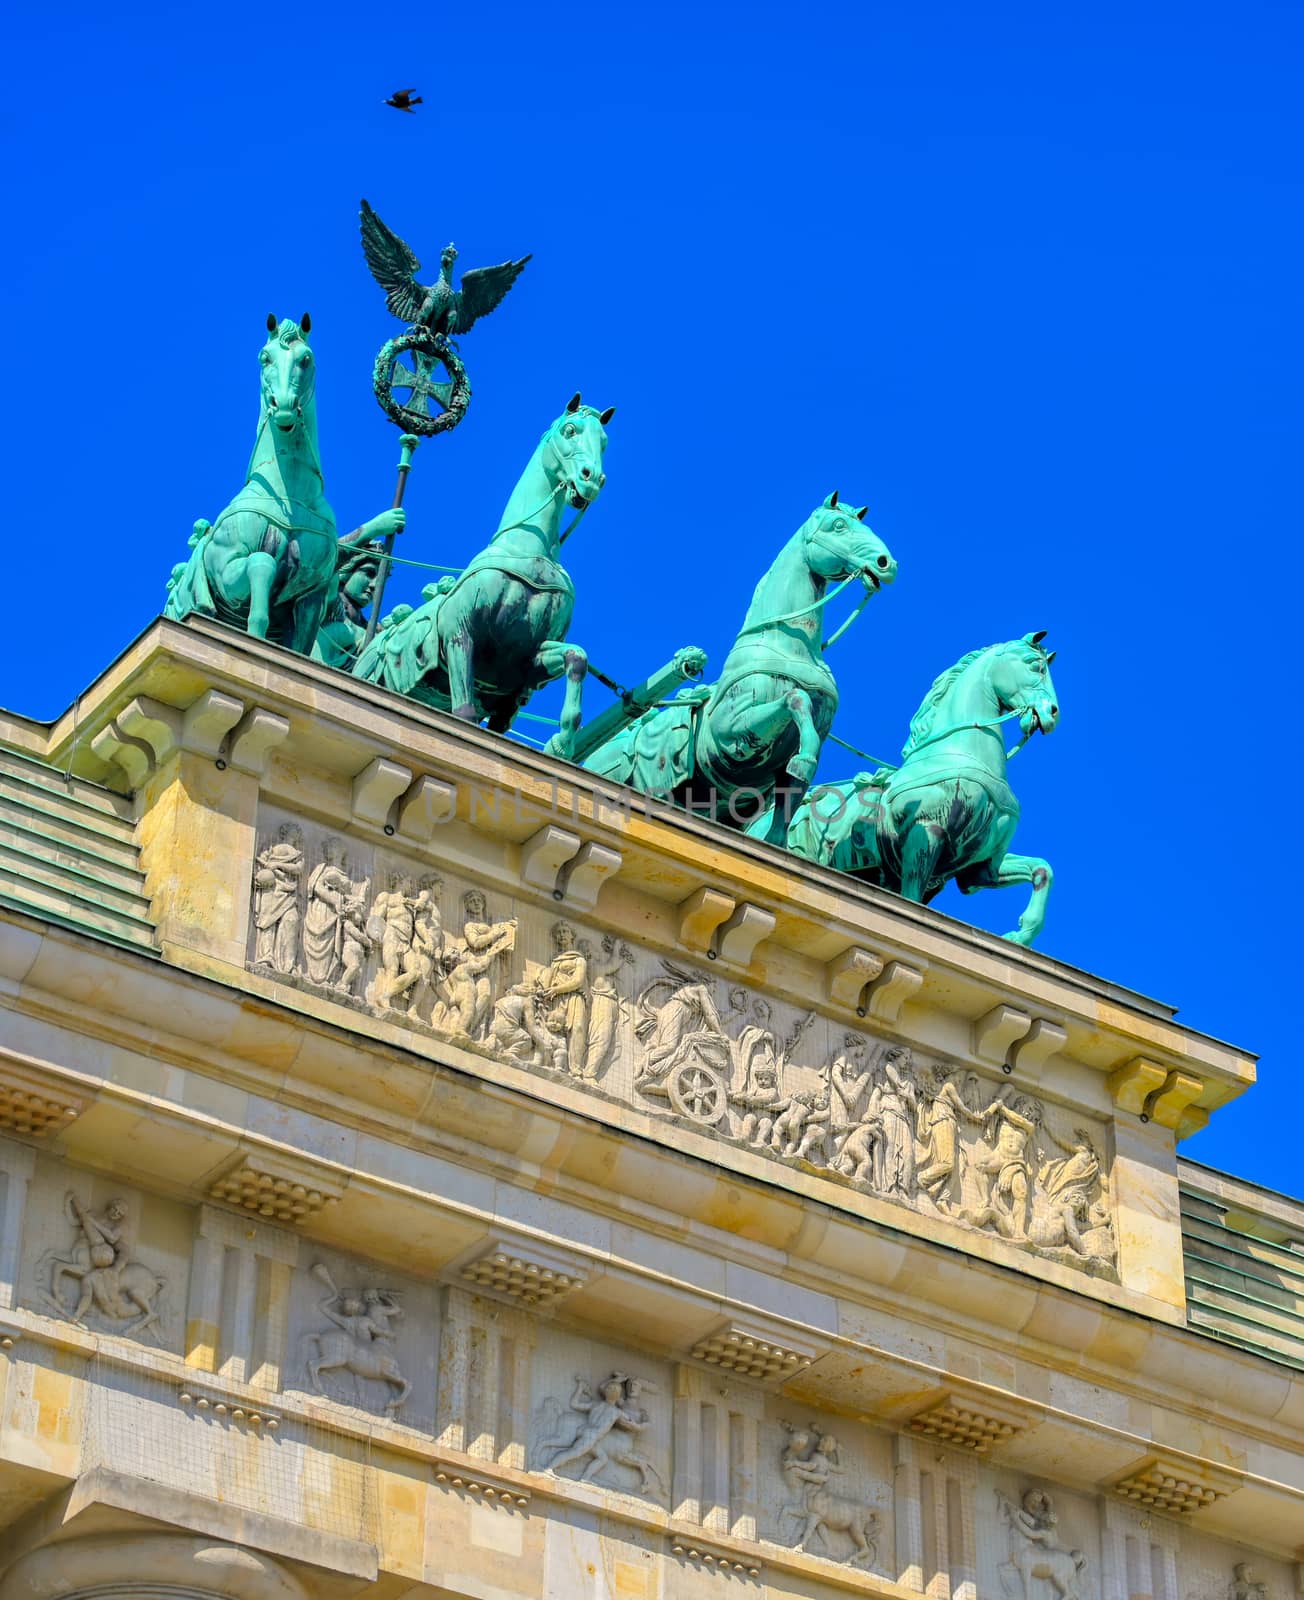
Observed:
{"x":721,"y":749}
{"x":485,"y":641}
{"x":947,"y":811}
{"x":268,"y":563}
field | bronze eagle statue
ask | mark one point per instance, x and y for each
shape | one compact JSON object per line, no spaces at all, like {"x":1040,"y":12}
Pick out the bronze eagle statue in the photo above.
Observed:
{"x":439,"y":307}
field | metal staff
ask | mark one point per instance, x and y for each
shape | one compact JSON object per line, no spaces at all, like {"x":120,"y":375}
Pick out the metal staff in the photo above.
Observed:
{"x":409,"y":442}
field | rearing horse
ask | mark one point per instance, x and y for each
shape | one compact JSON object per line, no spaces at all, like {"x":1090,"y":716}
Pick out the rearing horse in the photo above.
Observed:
{"x":948,"y":811}
{"x":722,"y":748}
{"x":267,"y":564}
{"x":485,"y":641}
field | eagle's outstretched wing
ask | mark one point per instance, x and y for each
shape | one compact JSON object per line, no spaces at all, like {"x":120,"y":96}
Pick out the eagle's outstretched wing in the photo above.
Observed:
{"x":393,"y":266}
{"x":483,"y":288}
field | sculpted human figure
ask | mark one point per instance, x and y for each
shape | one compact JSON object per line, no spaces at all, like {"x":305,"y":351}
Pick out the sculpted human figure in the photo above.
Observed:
{"x":688,"y":1011}
{"x":276,"y":900}
{"x":759,"y":1105}
{"x":813,"y":1145}
{"x":945,"y":1107}
{"x":359,"y":1340}
{"x":1007,"y":1168}
{"x":810,"y":1459}
{"x":1080,"y":1168}
{"x":605,"y":1003}
{"x":1035,"y":1549}
{"x":850,"y":1080}
{"x":122,"y":1291}
{"x":790,"y":1125}
{"x":392,"y":927}
{"x":893,"y":1104}
{"x":335,"y":939}
{"x":1244,"y":1585}
{"x":466,"y":992}
{"x":610,"y":1410}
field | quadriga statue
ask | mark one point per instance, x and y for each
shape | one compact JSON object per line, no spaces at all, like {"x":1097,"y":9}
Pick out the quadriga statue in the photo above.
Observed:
{"x":484,"y":641}
{"x":947,"y":812}
{"x":723,"y":748}
{"x":268,"y":563}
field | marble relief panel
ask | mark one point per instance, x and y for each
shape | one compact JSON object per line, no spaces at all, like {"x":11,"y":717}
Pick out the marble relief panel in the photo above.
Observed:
{"x":1037,"y":1541}
{"x":98,"y":1253}
{"x":363,"y":1336}
{"x":438,"y":953}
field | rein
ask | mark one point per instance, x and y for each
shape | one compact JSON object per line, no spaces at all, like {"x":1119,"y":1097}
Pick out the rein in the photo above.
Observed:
{"x":806,"y":611}
{"x":989,"y":726}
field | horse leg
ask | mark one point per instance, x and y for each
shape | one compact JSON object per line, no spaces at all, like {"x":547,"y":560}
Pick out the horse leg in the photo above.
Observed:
{"x":920,"y":849}
{"x":458,"y":651}
{"x":260,"y":574}
{"x":575,"y":664}
{"x":1014,"y":869}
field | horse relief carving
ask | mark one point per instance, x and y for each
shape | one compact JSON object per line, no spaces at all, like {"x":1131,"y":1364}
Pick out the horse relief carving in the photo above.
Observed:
{"x":600,"y":1434}
{"x":359,"y":1340}
{"x":111,"y":1290}
{"x":810,"y":1469}
{"x":1038,"y":1563}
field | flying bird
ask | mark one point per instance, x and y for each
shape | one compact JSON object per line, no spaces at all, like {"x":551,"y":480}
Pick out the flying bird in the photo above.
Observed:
{"x":404,"y":100}
{"x":439,"y":307}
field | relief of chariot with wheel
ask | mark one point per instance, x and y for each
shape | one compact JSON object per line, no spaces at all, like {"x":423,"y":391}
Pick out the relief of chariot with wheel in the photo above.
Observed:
{"x":690,"y":1061}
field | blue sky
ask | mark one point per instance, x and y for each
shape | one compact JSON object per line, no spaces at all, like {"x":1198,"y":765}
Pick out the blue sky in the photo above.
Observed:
{"x":1025,"y":278}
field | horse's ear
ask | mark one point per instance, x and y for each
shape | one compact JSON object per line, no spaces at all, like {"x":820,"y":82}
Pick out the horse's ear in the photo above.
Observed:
{"x":1035,"y":638}
{"x":573,"y":404}
{"x":862,"y":513}
{"x":832,"y":500}
{"x":271,"y":322}
{"x":607,"y":415}
{"x":305,"y":323}
{"x":1051,"y":657}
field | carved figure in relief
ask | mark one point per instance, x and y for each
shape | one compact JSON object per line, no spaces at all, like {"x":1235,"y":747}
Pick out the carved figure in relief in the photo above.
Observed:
{"x":944,"y":1107}
{"x":1035,"y":1551}
{"x":759,"y":1105}
{"x":391,"y":927}
{"x":1007,"y":1168}
{"x":335,"y":938}
{"x":276,"y":901}
{"x":122,"y":1291}
{"x":686,"y":1017}
{"x":1072,"y":1221}
{"x":1244,"y":1585}
{"x":611,"y":1420}
{"x":893,"y":1105}
{"x":1080,"y":1168}
{"x":851,"y":1078}
{"x":606,"y":1007}
{"x":467,"y":990}
{"x":810,"y":1459}
{"x":359,"y":1342}
{"x":806,"y":1113}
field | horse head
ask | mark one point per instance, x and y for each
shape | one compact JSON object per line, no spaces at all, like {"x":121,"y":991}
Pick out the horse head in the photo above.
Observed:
{"x":288,"y":372}
{"x":572,"y":451}
{"x":837,"y":544}
{"x":1021,"y":681}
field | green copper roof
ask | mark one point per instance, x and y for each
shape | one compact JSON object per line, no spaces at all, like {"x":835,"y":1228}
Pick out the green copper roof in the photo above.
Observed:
{"x":68,"y":853}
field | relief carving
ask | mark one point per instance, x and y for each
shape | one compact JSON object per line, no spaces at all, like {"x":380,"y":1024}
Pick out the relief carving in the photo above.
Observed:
{"x":359,"y":1340}
{"x":124,"y":1294}
{"x":601,"y":1433}
{"x":1037,"y":1558}
{"x":810,"y":1459}
{"x":1244,"y":1585}
{"x":677,"y":1043}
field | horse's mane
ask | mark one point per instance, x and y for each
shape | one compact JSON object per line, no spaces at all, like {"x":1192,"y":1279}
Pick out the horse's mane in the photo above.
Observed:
{"x":921,"y":724}
{"x":288,"y":333}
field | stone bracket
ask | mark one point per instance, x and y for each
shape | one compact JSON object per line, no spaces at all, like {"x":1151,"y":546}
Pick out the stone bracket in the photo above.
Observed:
{"x":751,"y":1350}
{"x":206,"y":723}
{"x":699,"y":917}
{"x":426,"y":806}
{"x":581,"y":878}
{"x":1168,"y":1104}
{"x":522,"y":1273}
{"x":849,"y":974}
{"x":544,"y":854}
{"x":254,"y":738}
{"x":1130,"y":1086}
{"x":993,"y":1033}
{"x":376,"y":788}
{"x":1043,"y":1040}
{"x":1163,"y":1483}
{"x":277,"y":1188}
{"x":970,"y":1422}
{"x":31,"y":1105}
{"x":736,"y":940}
{"x":888,"y":993}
